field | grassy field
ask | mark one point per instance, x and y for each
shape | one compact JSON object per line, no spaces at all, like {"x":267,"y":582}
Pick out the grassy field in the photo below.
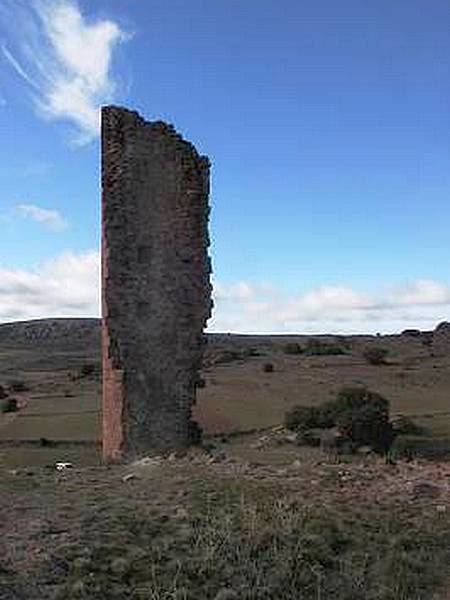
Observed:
{"x":238,"y":395}
{"x":247,"y":517}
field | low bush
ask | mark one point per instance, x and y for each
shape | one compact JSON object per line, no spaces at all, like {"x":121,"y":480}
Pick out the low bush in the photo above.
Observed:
{"x":3,"y":393}
{"x":301,"y":418}
{"x":360,"y":416}
{"x":87,"y":369}
{"x":227,"y":356}
{"x":268,"y":368}
{"x":254,"y":352}
{"x":45,"y":442}
{"x":411,"y":332}
{"x":410,"y":447}
{"x":18,"y":385}
{"x":292,"y":348}
{"x":8,"y":405}
{"x":376,"y":355}
{"x":316,"y":347}
{"x":343,"y":341}
{"x":404,"y":425}
{"x":350,"y":399}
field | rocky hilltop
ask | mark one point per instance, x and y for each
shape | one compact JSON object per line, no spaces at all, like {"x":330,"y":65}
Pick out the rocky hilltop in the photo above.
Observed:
{"x":52,"y":332}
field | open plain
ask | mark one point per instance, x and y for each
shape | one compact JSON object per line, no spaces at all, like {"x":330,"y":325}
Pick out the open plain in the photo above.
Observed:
{"x":249,"y":514}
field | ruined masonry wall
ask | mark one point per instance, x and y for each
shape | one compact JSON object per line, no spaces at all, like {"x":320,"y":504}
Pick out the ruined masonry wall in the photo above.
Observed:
{"x":155,"y":283}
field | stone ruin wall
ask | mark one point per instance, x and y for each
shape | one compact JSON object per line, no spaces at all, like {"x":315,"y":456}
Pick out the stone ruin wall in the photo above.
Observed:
{"x":155,"y":283}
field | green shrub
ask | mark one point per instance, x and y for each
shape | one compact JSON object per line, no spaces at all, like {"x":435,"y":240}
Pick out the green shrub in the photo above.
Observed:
{"x":301,"y":418}
{"x":254,"y":352}
{"x":87,"y":369}
{"x":375,"y":355}
{"x":343,"y":342}
{"x":18,"y":385}
{"x":9,"y":405}
{"x":292,"y":348}
{"x":45,"y":442}
{"x":352,"y":398}
{"x":362,"y":417}
{"x":327,"y":414}
{"x":3,"y":393}
{"x":316,"y":347}
{"x":227,"y":356}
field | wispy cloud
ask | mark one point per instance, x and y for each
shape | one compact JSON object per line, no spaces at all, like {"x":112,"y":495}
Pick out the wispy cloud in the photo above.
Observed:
{"x":66,"y":60}
{"x":18,"y":68}
{"x":52,"y":219}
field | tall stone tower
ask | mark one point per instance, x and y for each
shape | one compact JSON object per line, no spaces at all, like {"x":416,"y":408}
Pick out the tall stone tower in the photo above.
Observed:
{"x":156,"y":292}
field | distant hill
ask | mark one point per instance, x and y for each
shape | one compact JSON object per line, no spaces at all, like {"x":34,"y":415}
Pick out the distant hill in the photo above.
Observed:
{"x":52,"y":332}
{"x":85,"y":333}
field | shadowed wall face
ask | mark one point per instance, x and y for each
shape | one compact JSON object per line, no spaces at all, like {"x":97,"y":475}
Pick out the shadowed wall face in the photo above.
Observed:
{"x":156,"y":291}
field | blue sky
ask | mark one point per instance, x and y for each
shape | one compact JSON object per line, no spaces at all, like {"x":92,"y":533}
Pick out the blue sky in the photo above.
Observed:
{"x":327,"y":124}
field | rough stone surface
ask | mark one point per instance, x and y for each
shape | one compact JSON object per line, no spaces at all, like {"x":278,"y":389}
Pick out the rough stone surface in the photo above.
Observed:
{"x":156,"y":292}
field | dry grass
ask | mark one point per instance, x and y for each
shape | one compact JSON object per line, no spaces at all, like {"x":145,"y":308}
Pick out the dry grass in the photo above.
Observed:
{"x":188,"y":530}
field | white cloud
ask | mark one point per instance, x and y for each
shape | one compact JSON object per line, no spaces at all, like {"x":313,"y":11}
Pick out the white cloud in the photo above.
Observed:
{"x":421,"y":292}
{"x":68,"y":286}
{"x":66,"y":60}
{"x":330,"y":309}
{"x":52,"y":219}
{"x":65,"y":286}
{"x":238,"y":291}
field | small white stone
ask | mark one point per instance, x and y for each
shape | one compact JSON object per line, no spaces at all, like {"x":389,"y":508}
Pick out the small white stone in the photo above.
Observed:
{"x":62,"y":466}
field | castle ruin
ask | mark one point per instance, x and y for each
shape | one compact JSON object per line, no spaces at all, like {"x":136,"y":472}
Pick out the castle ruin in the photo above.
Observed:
{"x":156,"y":292}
